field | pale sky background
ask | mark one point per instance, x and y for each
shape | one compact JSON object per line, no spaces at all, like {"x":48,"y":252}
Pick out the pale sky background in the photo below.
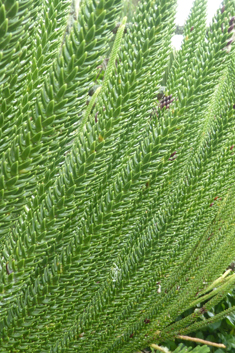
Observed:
{"x":183,"y":10}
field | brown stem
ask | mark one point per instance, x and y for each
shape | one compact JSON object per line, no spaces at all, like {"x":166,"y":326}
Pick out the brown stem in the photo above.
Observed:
{"x":161,"y":349}
{"x":198,"y":340}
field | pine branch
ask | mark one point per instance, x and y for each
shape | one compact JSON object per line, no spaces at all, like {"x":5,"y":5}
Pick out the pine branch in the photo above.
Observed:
{"x":113,"y":222}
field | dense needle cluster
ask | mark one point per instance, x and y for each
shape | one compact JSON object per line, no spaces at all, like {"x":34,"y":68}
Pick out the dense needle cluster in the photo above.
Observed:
{"x":99,"y":202}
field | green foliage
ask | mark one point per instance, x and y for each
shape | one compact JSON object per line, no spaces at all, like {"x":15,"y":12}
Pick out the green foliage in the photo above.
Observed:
{"x":183,"y":349}
{"x":118,"y":217}
{"x":202,"y":349}
{"x":221,"y":331}
{"x":198,"y":349}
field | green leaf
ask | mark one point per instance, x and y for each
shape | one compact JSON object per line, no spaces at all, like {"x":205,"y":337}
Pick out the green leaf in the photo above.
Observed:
{"x":90,"y":34}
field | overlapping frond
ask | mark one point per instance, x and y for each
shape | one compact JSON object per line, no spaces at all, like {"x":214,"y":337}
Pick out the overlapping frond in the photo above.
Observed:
{"x":114,"y":222}
{"x":47,"y":124}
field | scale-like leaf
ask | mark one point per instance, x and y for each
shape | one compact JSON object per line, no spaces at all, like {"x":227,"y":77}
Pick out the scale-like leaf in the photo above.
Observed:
{"x":117,"y":211}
